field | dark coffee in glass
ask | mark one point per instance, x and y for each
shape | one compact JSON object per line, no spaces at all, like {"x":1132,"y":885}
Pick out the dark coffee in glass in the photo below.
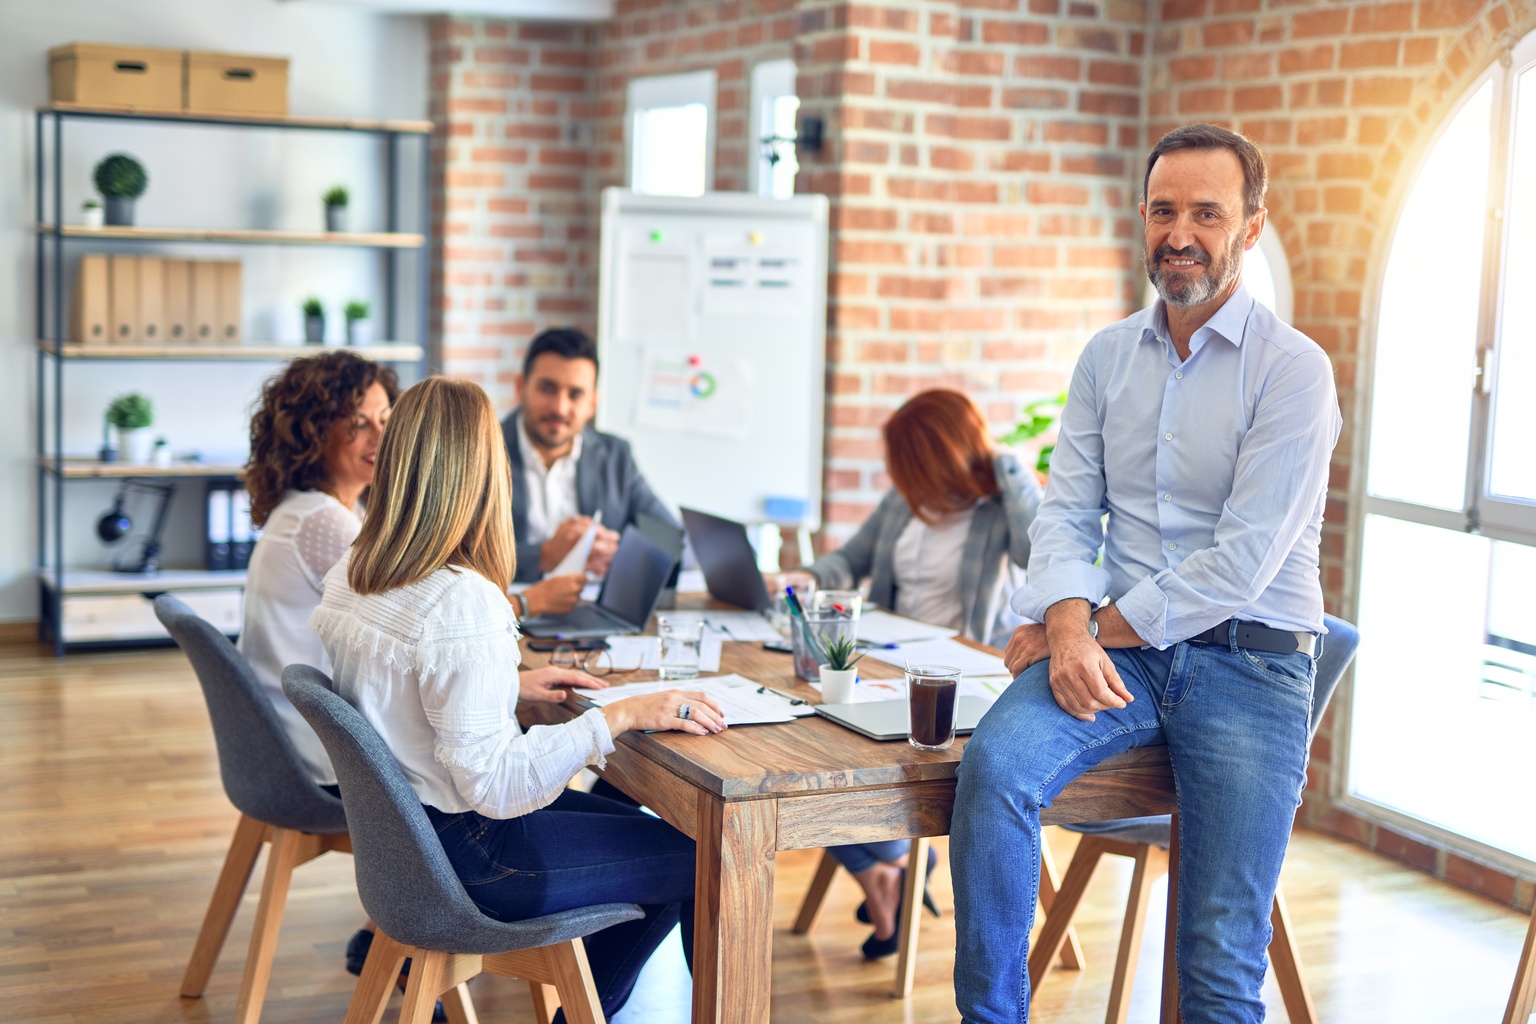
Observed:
{"x":931,"y":696}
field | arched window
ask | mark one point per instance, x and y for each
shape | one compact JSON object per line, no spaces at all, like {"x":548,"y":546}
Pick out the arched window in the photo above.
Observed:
{"x":1444,"y":706}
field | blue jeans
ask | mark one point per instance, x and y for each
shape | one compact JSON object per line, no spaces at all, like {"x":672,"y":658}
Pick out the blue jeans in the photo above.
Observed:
{"x":580,"y":851}
{"x":857,"y":857}
{"x":1235,"y":722}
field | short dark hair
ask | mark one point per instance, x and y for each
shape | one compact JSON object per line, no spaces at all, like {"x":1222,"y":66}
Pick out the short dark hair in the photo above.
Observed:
{"x":1210,"y":136}
{"x":565,"y":342}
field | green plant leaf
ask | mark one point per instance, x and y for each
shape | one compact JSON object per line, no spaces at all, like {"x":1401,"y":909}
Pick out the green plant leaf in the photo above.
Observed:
{"x":131,"y":411}
{"x":121,"y":176}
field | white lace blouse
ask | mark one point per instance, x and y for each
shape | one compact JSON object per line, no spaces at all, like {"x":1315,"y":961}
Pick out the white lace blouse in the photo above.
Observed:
{"x":433,"y":668}
{"x":304,"y":536}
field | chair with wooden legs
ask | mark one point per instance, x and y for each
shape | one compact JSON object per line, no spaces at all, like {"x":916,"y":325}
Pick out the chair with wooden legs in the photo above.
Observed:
{"x":907,"y":924}
{"x":1522,"y":997}
{"x":279,"y":805}
{"x":1147,"y":841}
{"x":419,"y":905}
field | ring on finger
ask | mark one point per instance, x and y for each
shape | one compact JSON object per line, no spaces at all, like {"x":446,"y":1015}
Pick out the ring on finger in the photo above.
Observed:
{"x":685,"y":711}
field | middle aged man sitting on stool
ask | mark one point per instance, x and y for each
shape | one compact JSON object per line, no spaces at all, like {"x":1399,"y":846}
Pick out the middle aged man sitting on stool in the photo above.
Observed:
{"x":562,"y":471}
{"x":1204,"y":426}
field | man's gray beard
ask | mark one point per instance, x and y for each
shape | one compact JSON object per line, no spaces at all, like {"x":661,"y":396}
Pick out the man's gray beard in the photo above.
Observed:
{"x":1193,"y":290}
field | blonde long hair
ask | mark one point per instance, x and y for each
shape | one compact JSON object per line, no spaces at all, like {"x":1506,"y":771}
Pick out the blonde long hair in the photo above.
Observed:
{"x":441,"y":492}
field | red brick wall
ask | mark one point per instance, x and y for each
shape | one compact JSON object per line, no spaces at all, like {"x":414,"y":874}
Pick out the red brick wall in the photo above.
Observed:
{"x":1345,"y":99}
{"x":513,"y":205}
{"x":977,"y":160}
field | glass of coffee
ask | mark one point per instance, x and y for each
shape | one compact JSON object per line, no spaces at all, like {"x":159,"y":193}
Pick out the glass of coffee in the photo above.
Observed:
{"x":931,"y":694}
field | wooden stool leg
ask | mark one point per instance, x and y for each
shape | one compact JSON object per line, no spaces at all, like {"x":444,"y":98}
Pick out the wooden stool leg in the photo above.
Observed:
{"x":911,"y":917}
{"x":385,"y":959}
{"x":1054,"y":932}
{"x":545,"y":1001}
{"x":244,"y":848}
{"x":816,"y":895}
{"x":1151,"y":863}
{"x":458,"y":1007}
{"x":1287,"y":965}
{"x":573,"y":980}
{"x":1050,"y":882}
{"x":1522,"y":997}
{"x":423,"y":985}
{"x":1170,"y":1011}
{"x":285,"y":854}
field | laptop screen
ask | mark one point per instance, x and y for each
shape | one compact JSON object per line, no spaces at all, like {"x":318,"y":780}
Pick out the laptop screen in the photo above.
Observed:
{"x":636,"y":576}
{"x":727,"y":558}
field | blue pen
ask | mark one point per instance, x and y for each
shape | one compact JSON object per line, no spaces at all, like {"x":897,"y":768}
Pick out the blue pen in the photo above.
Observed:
{"x":878,"y":647}
{"x":794,"y":602}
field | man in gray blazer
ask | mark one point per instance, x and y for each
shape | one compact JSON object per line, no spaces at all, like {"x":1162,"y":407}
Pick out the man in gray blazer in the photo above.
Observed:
{"x":563,"y":471}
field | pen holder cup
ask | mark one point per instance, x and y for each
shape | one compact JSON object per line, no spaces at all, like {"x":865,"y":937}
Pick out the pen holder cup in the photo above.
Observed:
{"x":809,"y":637}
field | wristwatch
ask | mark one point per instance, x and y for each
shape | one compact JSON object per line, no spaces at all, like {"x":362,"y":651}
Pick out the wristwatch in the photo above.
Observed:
{"x":520,"y":606}
{"x":1093,"y":625}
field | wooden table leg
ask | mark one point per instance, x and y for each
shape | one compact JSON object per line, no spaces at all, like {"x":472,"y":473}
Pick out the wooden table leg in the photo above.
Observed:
{"x":1522,"y":997}
{"x":733,"y":910}
{"x":1170,"y":1011}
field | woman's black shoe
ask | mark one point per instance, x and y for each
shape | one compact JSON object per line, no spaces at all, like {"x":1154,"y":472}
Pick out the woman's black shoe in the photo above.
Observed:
{"x":875,"y":949}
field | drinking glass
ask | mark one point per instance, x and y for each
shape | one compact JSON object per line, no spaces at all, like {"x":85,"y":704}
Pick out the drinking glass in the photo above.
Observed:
{"x":805,"y":587}
{"x":844,"y":602}
{"x":931,"y":693}
{"x":682,"y":642}
{"x":809,"y":638}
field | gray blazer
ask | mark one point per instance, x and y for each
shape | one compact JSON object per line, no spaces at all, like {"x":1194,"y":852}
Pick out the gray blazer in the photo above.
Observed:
{"x":607,"y":479}
{"x":999,"y":535}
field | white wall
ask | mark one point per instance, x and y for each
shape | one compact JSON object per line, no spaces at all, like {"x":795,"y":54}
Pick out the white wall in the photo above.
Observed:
{"x":346,"y":62}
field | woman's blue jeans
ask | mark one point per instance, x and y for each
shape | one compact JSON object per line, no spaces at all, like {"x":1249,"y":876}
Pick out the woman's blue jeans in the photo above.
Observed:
{"x":1236,"y":725}
{"x":580,"y":851}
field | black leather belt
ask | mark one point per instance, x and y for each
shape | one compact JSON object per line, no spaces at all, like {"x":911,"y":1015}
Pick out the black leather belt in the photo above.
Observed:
{"x":1258,"y":638}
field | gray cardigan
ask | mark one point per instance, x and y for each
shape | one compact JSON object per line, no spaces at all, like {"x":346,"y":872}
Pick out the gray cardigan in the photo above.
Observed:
{"x":606,"y":478}
{"x":999,"y":534}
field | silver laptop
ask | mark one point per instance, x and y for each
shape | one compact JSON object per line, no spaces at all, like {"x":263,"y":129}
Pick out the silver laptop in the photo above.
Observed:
{"x":636,"y":576}
{"x":887,"y":719}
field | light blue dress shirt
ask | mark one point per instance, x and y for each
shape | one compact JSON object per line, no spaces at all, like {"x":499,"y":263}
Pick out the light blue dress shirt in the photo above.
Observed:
{"x":1213,"y":470}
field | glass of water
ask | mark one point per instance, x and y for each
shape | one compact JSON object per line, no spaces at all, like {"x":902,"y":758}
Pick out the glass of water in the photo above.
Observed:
{"x":682,"y":642}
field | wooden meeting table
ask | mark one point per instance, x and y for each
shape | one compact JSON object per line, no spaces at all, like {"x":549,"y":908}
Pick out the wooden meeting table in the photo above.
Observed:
{"x":748,"y":792}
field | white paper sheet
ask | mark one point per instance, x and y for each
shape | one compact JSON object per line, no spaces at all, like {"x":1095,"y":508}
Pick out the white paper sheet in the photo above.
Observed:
{"x":746,"y":627}
{"x":643,"y":653}
{"x":877,"y":626}
{"x":575,"y":560}
{"x":986,"y":687}
{"x":738,"y":697}
{"x":968,"y":660}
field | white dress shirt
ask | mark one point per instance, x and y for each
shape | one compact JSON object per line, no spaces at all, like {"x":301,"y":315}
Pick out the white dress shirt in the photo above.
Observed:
{"x":1213,"y":469}
{"x":926,"y":562}
{"x":551,"y":490}
{"x":433,"y":668}
{"x":304,"y":536}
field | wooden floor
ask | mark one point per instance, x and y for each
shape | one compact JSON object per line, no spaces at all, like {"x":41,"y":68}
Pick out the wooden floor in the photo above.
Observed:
{"x":113,"y":825}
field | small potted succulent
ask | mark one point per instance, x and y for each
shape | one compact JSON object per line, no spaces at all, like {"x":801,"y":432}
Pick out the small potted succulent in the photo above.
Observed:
{"x":359,"y":330}
{"x":839,"y":673}
{"x":335,"y":200}
{"x":120,"y":179}
{"x":91,"y":214}
{"x":132,"y":414}
{"x":314,"y":321}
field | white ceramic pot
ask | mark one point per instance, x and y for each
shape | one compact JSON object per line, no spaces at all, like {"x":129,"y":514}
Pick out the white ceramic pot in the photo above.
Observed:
{"x":135,"y":446}
{"x":360,"y":332}
{"x":92,"y":216}
{"x":837,"y":685}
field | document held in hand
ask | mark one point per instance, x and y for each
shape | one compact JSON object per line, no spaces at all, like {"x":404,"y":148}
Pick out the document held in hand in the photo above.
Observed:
{"x":575,"y":560}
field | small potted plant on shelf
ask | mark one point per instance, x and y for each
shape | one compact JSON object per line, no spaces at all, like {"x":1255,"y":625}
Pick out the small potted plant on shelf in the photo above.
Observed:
{"x":336,"y":208}
{"x":132,"y":414}
{"x":91,"y":214}
{"x":359,"y":330}
{"x":314,"y":321}
{"x":120,"y":179}
{"x":839,"y":673}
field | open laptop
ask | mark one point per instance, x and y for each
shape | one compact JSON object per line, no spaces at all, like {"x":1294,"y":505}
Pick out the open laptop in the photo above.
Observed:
{"x":636,"y":576}
{"x":727,"y":559}
{"x":887,"y":719}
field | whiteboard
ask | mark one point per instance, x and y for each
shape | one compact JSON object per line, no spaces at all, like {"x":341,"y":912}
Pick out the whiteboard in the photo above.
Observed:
{"x":712,"y":340}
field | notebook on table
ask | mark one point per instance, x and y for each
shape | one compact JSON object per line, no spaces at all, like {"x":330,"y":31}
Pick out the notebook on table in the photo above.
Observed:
{"x":636,"y":576}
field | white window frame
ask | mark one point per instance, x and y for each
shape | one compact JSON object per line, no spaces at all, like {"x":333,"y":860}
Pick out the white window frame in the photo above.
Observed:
{"x":669,"y":91}
{"x":770,"y":80}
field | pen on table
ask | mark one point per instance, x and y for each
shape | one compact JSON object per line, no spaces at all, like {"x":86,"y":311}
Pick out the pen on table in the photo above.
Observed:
{"x":722,"y":627}
{"x":867,"y":645}
{"x":780,"y":693}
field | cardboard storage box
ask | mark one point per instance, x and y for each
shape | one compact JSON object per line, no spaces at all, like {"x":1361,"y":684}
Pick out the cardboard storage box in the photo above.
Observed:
{"x":130,"y":77}
{"x":233,"y":83}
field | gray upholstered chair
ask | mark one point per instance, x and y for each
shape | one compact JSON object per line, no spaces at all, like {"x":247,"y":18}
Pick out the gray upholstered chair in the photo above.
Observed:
{"x":419,"y":904}
{"x":279,"y":804}
{"x":1146,"y":841}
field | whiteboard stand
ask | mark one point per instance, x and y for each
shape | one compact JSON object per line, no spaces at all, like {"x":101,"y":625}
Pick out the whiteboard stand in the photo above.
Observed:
{"x":712,"y":342}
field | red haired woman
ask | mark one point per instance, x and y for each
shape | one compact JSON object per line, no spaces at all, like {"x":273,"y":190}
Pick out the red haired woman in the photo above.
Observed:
{"x":947,"y":545}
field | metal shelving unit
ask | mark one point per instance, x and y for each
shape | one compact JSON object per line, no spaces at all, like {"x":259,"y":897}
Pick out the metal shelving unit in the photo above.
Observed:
{"x":55,"y":350}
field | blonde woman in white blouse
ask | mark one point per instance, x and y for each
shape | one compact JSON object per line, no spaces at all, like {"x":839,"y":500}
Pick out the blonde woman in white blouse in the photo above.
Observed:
{"x":423,"y":642}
